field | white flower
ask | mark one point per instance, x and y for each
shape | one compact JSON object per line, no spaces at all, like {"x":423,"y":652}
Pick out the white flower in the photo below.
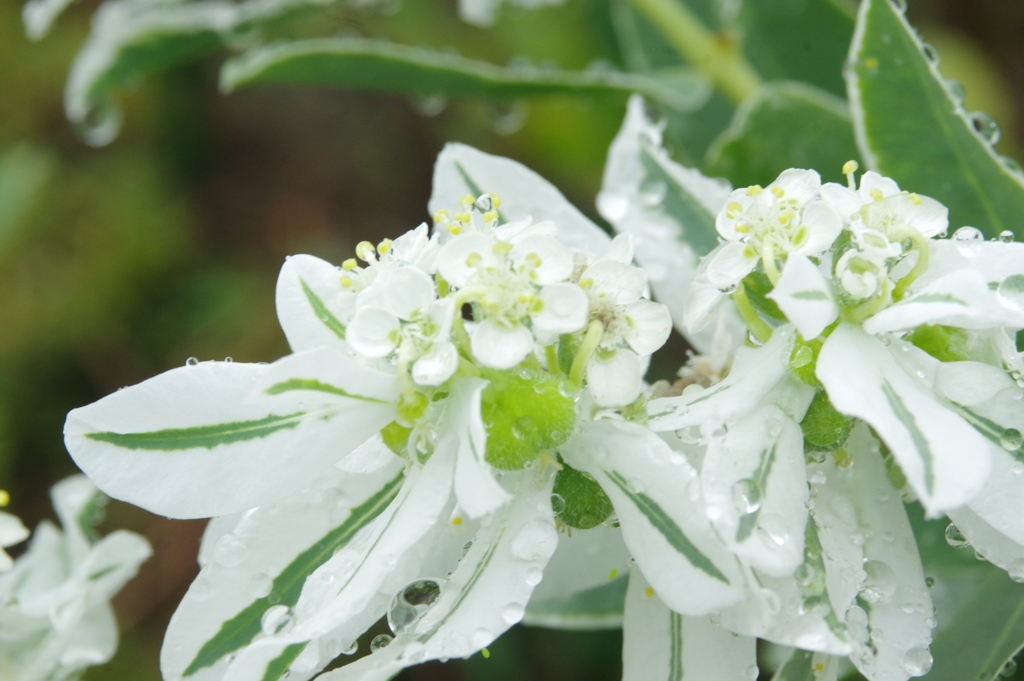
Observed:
{"x":12,"y":532}
{"x":399,"y":442}
{"x":484,"y":12}
{"x":55,"y":614}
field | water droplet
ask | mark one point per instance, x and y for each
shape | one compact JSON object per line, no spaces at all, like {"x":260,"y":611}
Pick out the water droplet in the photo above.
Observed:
{"x":930,"y":53}
{"x":1009,"y":669}
{"x":955,"y":90}
{"x":635,"y":486}
{"x":1016,"y":570}
{"x":380,"y":642}
{"x":917,"y":661}
{"x":985,"y":126}
{"x":842,"y":507}
{"x":730,"y":289}
{"x":1011,"y":292}
{"x":100,"y":122}
{"x":229,"y":551}
{"x":818,"y":477}
{"x":191,"y":362}
{"x":534,"y":575}
{"x":612,"y":206}
{"x":773,"y":530}
{"x":480,"y":638}
{"x":513,"y":612}
{"x":753,"y":672}
{"x":968,"y":241}
{"x":277,"y":619}
{"x":412,"y":603}
{"x":714,"y":431}
{"x":557,"y":503}
{"x":536,"y":540}
{"x":1006,"y":236}
{"x":429,"y":106}
{"x":507,"y":117}
{"x":746,"y":496}
{"x":1012,"y":164}
{"x":805,"y":574}
{"x":228,"y":360}
{"x":201,"y":589}
{"x":880,"y":583}
{"x":956,"y":538}
{"x":929,"y":582}
{"x":652,"y":192}
{"x":1011,"y":439}
{"x":354,"y":648}
{"x":901,"y":7}
{"x":259,"y":585}
{"x":773,"y":426}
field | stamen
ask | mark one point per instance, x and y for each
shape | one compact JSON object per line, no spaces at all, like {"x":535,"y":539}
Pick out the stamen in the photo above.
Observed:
{"x":473,"y":259}
{"x":914,"y":199}
{"x":384,"y":246}
{"x":457,"y":520}
{"x":466,"y":201}
{"x":366,"y":251}
{"x":586,"y":282}
{"x":614,"y":573}
{"x":349,"y":265}
{"x":779,"y":192}
{"x":346,"y":281}
{"x":876,"y":194}
{"x":533,"y":259}
{"x":454,"y":229}
{"x":441,"y":216}
{"x":849,"y":168}
{"x":649,"y":592}
{"x":491,"y":216}
{"x":5,"y":498}
{"x":754,"y":190}
{"x":501,"y":248}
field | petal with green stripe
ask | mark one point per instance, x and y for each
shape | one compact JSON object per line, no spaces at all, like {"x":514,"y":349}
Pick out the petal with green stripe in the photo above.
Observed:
{"x":661,"y":645}
{"x":265,"y":559}
{"x":486,"y":593}
{"x":312,"y":304}
{"x":196,"y":442}
{"x":657,"y":499}
{"x":944,"y":459}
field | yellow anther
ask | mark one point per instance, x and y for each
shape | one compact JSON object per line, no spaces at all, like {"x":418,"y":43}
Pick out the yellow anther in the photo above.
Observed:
{"x":735,"y":207}
{"x":463,"y":217}
{"x":349,"y":265}
{"x":473,"y":259}
{"x":454,"y":229}
{"x":533,"y":259}
{"x":495,"y":200}
{"x":384,"y":246}
{"x":467,"y":201}
{"x":486,"y":653}
{"x":501,"y":248}
{"x":742,"y":227}
{"x":457,"y":520}
{"x":441,"y":216}
{"x":586,"y":282}
{"x":5,"y":498}
{"x":491,"y":215}
{"x":819,"y":667}
{"x":614,"y":573}
{"x":366,"y":251}
{"x":850,"y":167}
{"x":649,"y":592}
{"x":779,"y":192}
{"x":346,"y":281}
{"x":876,"y":194}
{"x":914,"y":199}
{"x":786,"y":216}
{"x":527,"y":297}
{"x":754,"y":190}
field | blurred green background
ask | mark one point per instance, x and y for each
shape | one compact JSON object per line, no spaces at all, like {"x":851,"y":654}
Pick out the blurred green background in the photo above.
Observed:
{"x":119,"y":263}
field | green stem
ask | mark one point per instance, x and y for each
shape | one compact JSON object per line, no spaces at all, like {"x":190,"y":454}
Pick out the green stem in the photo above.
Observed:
{"x":768,"y":260}
{"x":590,"y":342}
{"x":467,"y":368}
{"x":921,"y":241}
{"x":461,"y":335}
{"x":551,"y":355}
{"x":762,"y":332}
{"x":715,"y":55}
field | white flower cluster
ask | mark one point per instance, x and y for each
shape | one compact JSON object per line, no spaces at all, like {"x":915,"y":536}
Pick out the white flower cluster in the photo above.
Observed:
{"x":55,"y":614}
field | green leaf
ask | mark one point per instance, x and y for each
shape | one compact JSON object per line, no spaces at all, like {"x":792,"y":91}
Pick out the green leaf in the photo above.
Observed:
{"x":997,"y":434}
{"x":679,"y":204}
{"x":824,"y":428}
{"x":911,"y":128}
{"x":278,"y":667}
{"x":784,"y":125}
{"x":979,"y":609}
{"x":241,"y":629}
{"x":171,"y":439}
{"x":668,"y":528}
{"x":388,"y":67}
{"x":584,"y":504}
{"x":318,"y":386}
{"x":600,"y":607}
{"x":804,"y":41}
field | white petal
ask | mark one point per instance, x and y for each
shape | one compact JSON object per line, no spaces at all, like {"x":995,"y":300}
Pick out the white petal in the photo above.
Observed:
{"x":994,"y":260}
{"x":823,"y":225}
{"x":650,"y":324}
{"x":523,"y":193}
{"x":663,"y":522}
{"x":185,"y":473}
{"x":460,"y":257}
{"x":727,"y":267}
{"x":623,"y":283}
{"x":615,"y":381}
{"x":71,"y":497}
{"x":403,"y":290}
{"x":805,"y":296}
{"x":756,"y":490}
{"x":437,"y":365}
{"x":754,"y":373}
{"x":373,"y":332}
{"x":996,"y":547}
{"x":961,"y":298}
{"x":621,"y":249}
{"x":843,"y":200}
{"x":703,"y":299}
{"x":661,"y":644}
{"x":485,"y":595}
{"x":267,"y":541}
{"x":499,"y":347}
{"x":871,"y":180}
{"x":476,"y":490}
{"x":547,"y":260}
{"x":576,"y":592}
{"x":944,"y":459}
{"x":564,"y":310}
{"x":799,"y":184}
{"x":312,"y":305}
{"x":12,"y":531}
